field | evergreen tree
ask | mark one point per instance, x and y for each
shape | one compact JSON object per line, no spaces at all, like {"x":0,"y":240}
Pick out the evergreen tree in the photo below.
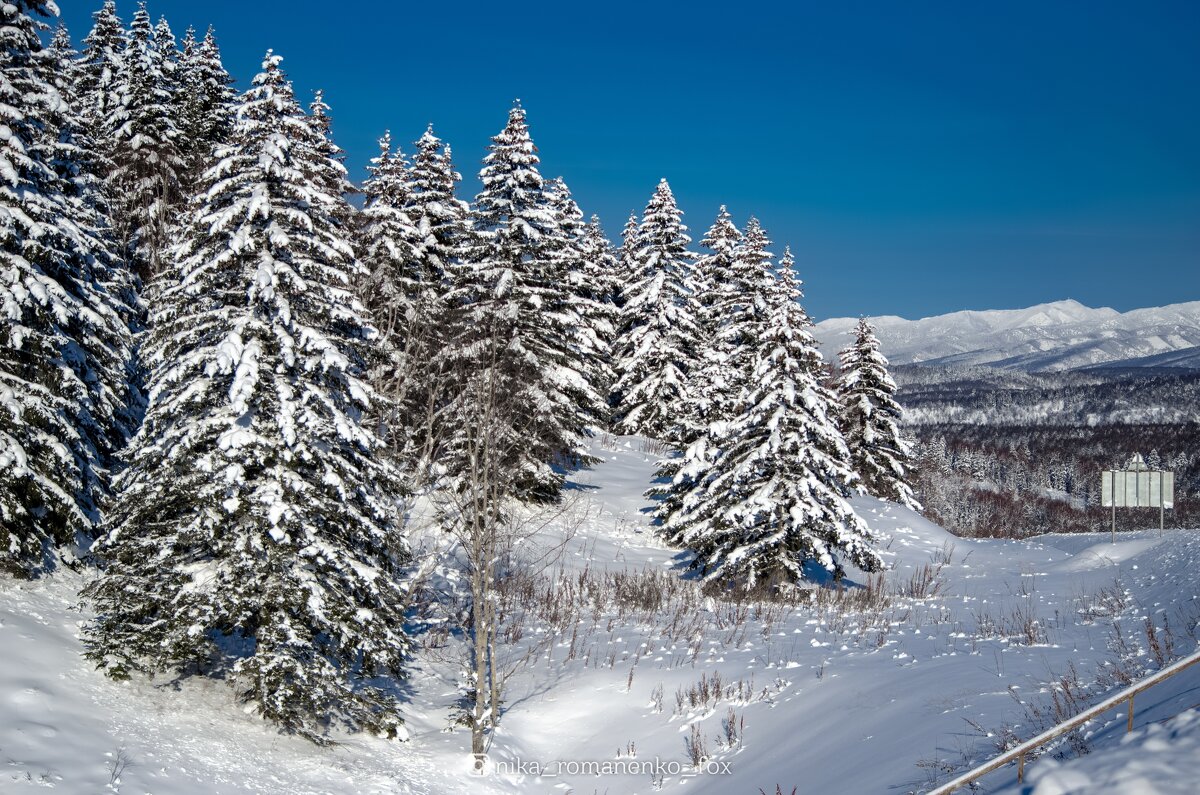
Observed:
{"x":145,"y":182}
{"x":440,"y":217}
{"x":775,"y":498}
{"x":431,"y":376}
{"x":254,"y":533}
{"x":204,"y":103}
{"x":711,"y":394}
{"x":714,"y":386}
{"x":743,"y":304}
{"x":169,"y":55}
{"x":388,"y":243}
{"x":590,"y":281}
{"x":517,"y":325}
{"x":656,"y":345}
{"x":80,"y":164}
{"x":101,"y":67}
{"x":627,"y":268}
{"x":63,"y":345}
{"x":403,"y":301}
{"x":600,"y":286}
{"x":870,"y":419}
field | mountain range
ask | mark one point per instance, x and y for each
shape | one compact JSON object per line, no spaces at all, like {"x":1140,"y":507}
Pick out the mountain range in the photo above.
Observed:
{"x":1057,"y":336}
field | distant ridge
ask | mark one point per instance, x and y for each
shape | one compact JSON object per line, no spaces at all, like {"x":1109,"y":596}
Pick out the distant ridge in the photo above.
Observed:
{"x":1057,"y":336}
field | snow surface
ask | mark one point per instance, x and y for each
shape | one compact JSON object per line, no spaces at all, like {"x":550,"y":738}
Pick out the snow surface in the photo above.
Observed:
{"x":1159,"y":759}
{"x":852,"y":700}
{"x":1062,"y":335}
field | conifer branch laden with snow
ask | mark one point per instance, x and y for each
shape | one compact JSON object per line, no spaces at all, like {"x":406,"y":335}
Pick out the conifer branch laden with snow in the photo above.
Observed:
{"x":254,"y":532}
{"x":870,"y":419}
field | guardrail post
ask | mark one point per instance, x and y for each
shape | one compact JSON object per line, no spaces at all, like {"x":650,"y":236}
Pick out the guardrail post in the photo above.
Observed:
{"x":1021,"y":768}
{"x":1129,"y":723}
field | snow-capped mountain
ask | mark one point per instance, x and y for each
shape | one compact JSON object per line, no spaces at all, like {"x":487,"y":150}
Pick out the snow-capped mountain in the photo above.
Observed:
{"x":1063,"y":335}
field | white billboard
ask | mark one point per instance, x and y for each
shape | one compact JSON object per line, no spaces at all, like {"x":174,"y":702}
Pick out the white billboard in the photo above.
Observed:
{"x":1137,"y":488}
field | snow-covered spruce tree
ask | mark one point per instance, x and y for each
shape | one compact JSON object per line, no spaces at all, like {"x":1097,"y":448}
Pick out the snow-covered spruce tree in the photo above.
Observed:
{"x":775,"y":498}
{"x":169,"y":55}
{"x":708,"y":401}
{"x":441,"y":218}
{"x":204,"y":104}
{"x":517,"y":292}
{"x":388,"y":244}
{"x":601,"y":284}
{"x":743,"y":303}
{"x":331,"y":171}
{"x":442,"y":225}
{"x":81,"y":166}
{"x":404,"y":302}
{"x":590,"y":280}
{"x":713,"y":388}
{"x":101,"y":66}
{"x":870,"y":419}
{"x":656,"y":345}
{"x":145,"y":180}
{"x":254,"y":531}
{"x":627,"y":267}
{"x":63,"y":345}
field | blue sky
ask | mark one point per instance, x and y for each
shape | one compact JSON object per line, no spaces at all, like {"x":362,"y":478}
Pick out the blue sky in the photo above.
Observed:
{"x":919,"y":157}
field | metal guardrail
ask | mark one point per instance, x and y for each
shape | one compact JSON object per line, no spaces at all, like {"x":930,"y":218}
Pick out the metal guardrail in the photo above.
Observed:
{"x":1054,"y":732}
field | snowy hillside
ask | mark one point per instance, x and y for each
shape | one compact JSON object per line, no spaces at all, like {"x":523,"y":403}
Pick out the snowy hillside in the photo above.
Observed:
{"x":620,"y":664}
{"x":1063,"y":335}
{"x":1161,"y":758}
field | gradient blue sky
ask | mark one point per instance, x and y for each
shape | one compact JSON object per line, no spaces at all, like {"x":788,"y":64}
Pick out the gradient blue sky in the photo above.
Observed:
{"x":920,"y":157}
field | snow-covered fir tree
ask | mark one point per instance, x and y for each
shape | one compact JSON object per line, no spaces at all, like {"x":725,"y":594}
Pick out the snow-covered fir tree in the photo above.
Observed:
{"x":591,"y":283}
{"x":517,"y":327}
{"x":388,"y":244}
{"x":145,"y":180}
{"x":82,"y":166}
{"x":101,"y":66}
{"x":775,"y":498}
{"x":713,"y":387}
{"x":404,"y":302}
{"x":710,"y":398}
{"x":63,"y":344}
{"x":204,"y":103}
{"x":254,"y":536}
{"x":439,"y":215}
{"x":168,"y":53}
{"x":430,"y":377}
{"x":656,"y":345}
{"x":329,"y":172}
{"x":627,"y":267}
{"x":870,"y":419}
{"x":601,"y":287}
{"x":743,"y":304}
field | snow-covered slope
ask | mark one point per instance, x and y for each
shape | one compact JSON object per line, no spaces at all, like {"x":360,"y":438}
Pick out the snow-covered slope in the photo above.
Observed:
{"x":1063,"y":335}
{"x":866,"y":692}
{"x":1158,"y":759}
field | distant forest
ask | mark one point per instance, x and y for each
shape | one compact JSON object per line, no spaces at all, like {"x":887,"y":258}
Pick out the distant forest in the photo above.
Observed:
{"x":1009,"y":454}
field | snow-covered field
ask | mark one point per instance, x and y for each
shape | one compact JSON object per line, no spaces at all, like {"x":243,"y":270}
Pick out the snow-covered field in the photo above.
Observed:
{"x":877,"y":690}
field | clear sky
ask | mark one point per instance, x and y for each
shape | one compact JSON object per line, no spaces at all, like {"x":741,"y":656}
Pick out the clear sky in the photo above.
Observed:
{"x":920,"y":157}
